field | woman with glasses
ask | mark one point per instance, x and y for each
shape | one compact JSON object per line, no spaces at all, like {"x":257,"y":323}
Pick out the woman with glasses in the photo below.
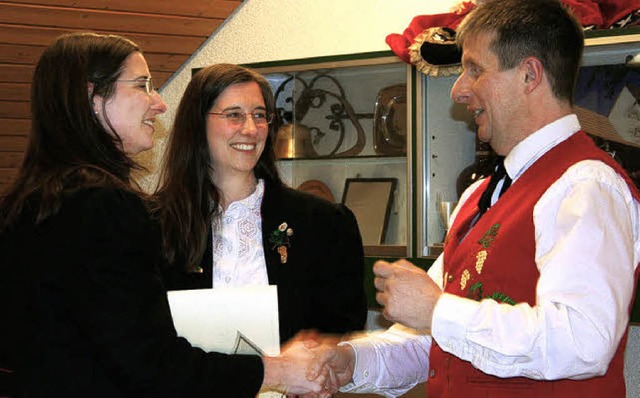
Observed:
{"x":83,"y":309}
{"x":227,"y":219}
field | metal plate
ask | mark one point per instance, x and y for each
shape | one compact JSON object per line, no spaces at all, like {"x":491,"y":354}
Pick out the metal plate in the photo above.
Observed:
{"x":390,"y":121}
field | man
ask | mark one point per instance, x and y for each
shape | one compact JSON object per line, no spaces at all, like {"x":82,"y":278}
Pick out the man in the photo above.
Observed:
{"x":532,"y":297}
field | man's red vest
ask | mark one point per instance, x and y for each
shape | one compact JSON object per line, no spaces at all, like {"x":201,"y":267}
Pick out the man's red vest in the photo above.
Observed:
{"x":496,"y":260}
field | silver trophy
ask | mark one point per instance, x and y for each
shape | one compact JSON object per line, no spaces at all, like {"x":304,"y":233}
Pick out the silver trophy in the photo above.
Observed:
{"x":445,"y":209}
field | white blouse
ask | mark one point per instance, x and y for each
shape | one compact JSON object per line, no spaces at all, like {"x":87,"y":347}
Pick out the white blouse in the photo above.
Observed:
{"x":238,"y":254}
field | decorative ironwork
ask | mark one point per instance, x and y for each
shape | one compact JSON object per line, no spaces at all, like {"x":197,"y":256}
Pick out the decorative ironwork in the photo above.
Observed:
{"x":311,"y":97}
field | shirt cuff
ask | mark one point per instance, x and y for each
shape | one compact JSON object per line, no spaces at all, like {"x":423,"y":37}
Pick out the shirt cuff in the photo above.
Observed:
{"x":364,"y":354}
{"x":451,"y":316}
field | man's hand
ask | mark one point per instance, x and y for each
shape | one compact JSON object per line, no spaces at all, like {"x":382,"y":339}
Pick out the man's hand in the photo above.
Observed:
{"x":287,"y":373}
{"x":338,"y":361}
{"x":407,"y":293}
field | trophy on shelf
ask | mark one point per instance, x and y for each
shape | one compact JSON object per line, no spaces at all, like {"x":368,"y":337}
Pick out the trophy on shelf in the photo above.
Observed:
{"x":445,"y":208}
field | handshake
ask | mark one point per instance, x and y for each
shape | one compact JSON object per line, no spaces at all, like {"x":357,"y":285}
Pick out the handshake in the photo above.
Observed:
{"x":313,"y":365}
{"x":309,"y":366}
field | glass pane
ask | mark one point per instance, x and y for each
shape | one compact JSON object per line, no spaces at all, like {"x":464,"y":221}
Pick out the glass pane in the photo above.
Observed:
{"x":343,"y":122}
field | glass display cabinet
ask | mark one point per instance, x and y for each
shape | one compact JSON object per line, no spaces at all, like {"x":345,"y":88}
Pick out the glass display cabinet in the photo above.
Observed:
{"x":373,"y":132}
{"x":607,"y":97}
{"x":345,"y":128}
{"x":446,"y":142}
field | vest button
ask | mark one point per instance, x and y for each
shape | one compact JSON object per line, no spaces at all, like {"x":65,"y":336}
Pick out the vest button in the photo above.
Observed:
{"x":432,"y":373}
{"x":450,"y":278}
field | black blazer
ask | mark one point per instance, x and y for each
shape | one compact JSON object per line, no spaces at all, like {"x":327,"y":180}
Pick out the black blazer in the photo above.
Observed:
{"x":321,"y":286}
{"x":85,"y":314}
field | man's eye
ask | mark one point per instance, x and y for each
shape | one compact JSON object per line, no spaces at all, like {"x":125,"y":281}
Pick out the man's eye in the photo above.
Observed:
{"x":260,"y":116}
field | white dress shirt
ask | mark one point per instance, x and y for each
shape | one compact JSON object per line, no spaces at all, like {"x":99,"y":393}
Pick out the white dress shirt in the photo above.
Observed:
{"x":587,"y":249}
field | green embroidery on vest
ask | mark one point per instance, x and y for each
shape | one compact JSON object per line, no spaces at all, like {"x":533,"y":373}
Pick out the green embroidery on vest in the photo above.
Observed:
{"x":501,"y":298}
{"x":476,"y":292}
{"x":489,"y":236}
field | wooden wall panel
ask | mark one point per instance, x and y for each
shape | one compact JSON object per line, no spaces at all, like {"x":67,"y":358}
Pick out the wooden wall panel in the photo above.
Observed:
{"x":7,"y":175}
{"x":13,"y":144}
{"x":168,"y":32}
{"x":115,"y":21}
{"x":204,"y":8}
{"x":154,"y":43}
{"x":15,"y":127}
{"x":14,"y":109}
{"x":19,"y":54}
{"x":10,"y":73}
{"x":14,"y":91}
{"x":11,"y":160}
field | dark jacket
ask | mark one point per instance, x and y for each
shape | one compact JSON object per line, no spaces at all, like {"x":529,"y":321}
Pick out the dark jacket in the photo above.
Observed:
{"x":85,"y":314}
{"x":321,"y":286}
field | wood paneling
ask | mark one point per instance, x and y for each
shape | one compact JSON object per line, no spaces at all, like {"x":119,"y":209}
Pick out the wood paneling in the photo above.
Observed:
{"x":11,"y":160}
{"x":15,"y":127}
{"x":14,"y":91}
{"x":19,"y":54}
{"x":116,"y":21}
{"x":13,"y":143}
{"x":168,"y":32}
{"x":14,"y":109}
{"x":154,"y":43}
{"x":15,"y":73}
{"x":6,"y":175}
{"x":216,"y":9}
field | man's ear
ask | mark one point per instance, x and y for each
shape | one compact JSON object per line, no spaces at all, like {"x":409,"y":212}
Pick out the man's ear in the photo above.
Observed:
{"x":533,"y":72}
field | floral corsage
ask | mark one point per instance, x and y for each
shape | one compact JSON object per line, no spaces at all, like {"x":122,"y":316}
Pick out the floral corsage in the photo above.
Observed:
{"x":279,"y":240}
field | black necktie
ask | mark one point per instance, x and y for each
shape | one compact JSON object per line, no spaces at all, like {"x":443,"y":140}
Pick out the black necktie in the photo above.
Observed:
{"x":499,"y":173}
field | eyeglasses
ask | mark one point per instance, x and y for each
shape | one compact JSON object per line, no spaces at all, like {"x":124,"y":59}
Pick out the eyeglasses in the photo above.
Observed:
{"x":238,"y":119}
{"x":145,"y":82}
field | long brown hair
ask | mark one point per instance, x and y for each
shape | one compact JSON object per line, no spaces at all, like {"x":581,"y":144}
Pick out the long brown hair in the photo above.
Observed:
{"x":68,"y":147}
{"x":187,"y":197}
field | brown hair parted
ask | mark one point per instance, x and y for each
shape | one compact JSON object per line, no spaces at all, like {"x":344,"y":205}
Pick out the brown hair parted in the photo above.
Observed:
{"x":187,"y":197}
{"x":68,"y":147}
{"x":544,"y":29}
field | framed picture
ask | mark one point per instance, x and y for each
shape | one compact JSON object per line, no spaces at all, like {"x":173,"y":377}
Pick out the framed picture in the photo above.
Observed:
{"x":370,"y":199}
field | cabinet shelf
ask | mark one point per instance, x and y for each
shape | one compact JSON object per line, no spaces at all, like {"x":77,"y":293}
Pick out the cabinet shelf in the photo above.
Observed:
{"x":331,"y":158}
{"x":344,"y":118}
{"x":396,"y":251}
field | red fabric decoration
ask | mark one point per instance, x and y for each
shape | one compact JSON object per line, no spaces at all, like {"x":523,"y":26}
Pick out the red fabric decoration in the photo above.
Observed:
{"x":587,"y":12}
{"x":601,"y":14}
{"x":400,"y":43}
{"x":614,"y":10}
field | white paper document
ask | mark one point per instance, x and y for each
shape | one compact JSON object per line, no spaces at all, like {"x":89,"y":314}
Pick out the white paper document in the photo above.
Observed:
{"x":237,"y":320}
{"x":242,"y":320}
